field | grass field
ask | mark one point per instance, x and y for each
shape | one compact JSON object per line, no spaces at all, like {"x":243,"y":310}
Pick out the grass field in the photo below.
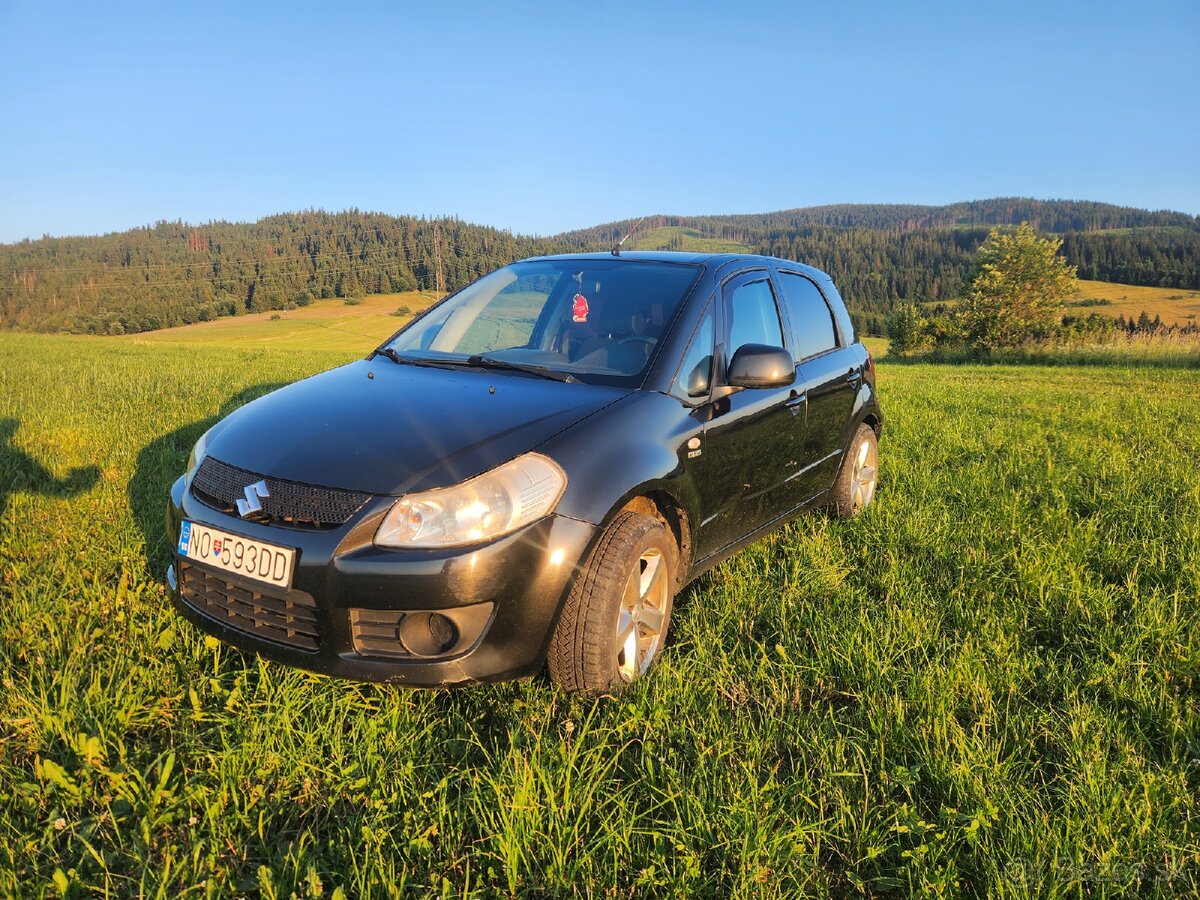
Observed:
{"x":330,"y":325}
{"x":688,"y":240}
{"x":1175,"y":305}
{"x":987,"y":685}
{"x":1167,"y":351}
{"x":877,"y":346}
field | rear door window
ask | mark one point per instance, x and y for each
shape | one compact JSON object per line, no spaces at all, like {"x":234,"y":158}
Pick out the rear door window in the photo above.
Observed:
{"x":812,"y":322}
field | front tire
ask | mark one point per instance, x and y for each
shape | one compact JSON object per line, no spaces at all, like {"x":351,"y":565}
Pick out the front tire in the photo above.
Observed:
{"x":615,"y":619}
{"x":855,"y":486}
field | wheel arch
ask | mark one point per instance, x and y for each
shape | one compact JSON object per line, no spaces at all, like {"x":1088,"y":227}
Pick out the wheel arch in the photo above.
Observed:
{"x":666,"y":508}
{"x":874,"y":422}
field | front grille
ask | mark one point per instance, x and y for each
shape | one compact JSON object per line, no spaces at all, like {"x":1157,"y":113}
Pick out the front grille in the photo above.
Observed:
{"x":289,"y":503}
{"x":290,"y":620}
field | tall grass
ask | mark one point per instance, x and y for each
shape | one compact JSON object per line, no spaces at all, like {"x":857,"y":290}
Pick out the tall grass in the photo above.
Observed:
{"x":1140,"y":349}
{"x":986,"y":685}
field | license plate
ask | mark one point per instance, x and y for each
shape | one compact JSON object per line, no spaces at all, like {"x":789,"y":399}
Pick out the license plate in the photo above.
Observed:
{"x":239,"y":555}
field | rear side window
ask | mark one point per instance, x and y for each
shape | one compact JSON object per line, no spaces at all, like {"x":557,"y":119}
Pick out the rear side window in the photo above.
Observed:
{"x":829,"y":289}
{"x":810,"y":315}
{"x":751,"y":316}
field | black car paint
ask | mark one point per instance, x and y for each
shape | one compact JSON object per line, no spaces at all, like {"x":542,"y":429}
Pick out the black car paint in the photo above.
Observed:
{"x":405,"y":428}
{"x":722,"y":468}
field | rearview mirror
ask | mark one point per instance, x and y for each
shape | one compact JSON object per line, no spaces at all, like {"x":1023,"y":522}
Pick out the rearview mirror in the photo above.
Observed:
{"x":760,"y":366}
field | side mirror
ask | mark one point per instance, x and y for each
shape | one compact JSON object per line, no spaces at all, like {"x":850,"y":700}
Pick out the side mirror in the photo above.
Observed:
{"x":760,"y":366}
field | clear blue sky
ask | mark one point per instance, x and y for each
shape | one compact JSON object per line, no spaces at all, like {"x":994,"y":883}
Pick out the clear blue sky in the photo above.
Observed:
{"x":543,"y":117}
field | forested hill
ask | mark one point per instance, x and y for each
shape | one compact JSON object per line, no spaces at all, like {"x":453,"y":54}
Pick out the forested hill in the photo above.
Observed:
{"x":1057,"y":216}
{"x":173,"y":273}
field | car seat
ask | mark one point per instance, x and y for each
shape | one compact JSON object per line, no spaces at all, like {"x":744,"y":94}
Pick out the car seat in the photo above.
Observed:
{"x":625,"y":338}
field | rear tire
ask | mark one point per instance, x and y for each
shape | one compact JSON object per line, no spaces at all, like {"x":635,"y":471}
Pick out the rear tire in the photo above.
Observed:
{"x":855,"y":486}
{"x":615,"y":619}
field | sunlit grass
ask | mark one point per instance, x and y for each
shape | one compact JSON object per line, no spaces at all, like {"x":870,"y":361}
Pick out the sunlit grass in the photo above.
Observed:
{"x":987,"y":684}
{"x":331,"y":325}
{"x":687,"y":240}
{"x":877,"y":346}
{"x":1162,"y":350}
{"x":1176,"y":306}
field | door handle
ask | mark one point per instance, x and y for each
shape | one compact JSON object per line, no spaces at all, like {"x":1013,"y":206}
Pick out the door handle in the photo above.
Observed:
{"x":796,"y":402}
{"x":854,"y":377}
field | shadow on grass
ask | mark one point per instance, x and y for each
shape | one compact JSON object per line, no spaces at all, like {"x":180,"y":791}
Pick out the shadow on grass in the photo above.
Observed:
{"x":160,"y":463}
{"x":21,"y":472}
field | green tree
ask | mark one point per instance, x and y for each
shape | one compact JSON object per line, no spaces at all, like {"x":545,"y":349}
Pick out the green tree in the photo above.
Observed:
{"x":1017,"y":289}
{"x":908,"y":331}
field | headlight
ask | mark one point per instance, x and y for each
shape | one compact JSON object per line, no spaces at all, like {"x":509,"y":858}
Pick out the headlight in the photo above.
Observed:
{"x":199,"y":451}
{"x":487,"y":506}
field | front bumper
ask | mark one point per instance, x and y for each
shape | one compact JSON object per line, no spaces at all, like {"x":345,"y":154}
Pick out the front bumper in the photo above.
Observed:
{"x":525,"y":575}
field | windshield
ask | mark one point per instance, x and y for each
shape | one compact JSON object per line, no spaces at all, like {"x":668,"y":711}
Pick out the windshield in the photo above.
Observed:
{"x":597,"y":319}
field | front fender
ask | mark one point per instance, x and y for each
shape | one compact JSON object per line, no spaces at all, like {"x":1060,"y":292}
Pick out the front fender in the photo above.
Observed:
{"x":635,"y":447}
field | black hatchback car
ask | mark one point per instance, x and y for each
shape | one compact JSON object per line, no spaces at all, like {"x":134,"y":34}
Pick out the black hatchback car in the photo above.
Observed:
{"x":529,"y":471}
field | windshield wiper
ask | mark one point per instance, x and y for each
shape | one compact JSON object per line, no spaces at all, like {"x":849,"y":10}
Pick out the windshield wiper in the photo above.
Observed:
{"x":490,"y":362}
{"x":393,"y":355}
{"x":475,"y":362}
{"x":416,"y":360}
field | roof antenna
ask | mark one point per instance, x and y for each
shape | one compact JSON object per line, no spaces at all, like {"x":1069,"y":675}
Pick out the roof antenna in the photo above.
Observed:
{"x":616,"y":251}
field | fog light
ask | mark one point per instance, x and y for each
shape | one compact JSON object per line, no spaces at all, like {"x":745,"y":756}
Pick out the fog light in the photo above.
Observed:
{"x":418,"y":633}
{"x":427,"y":633}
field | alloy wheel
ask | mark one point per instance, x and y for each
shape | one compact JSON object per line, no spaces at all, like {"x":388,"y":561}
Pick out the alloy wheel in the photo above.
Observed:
{"x":863,"y":475}
{"x":643,"y":614}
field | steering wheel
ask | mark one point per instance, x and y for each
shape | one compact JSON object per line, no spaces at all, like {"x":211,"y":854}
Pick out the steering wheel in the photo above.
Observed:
{"x":636,"y":338}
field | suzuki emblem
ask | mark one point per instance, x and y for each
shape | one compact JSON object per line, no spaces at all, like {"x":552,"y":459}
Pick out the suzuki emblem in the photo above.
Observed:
{"x":253,"y":502}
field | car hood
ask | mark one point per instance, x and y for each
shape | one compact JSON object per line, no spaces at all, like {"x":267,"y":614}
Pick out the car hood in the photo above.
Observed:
{"x":384,"y":428}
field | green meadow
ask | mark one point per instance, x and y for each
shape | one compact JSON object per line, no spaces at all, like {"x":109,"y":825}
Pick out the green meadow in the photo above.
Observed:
{"x":356,"y":325}
{"x":986,"y":685}
{"x":688,"y":240}
{"x":1175,"y":306}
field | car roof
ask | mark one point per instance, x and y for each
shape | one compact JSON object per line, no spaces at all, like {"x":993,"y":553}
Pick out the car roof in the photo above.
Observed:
{"x":714,"y":260}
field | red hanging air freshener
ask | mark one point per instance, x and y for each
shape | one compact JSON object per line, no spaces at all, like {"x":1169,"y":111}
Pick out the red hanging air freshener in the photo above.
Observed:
{"x":579,"y":311}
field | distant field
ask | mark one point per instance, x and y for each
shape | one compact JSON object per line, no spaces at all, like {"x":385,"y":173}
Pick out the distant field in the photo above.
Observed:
{"x":323,"y":325}
{"x":877,"y":346}
{"x":1175,"y":305}
{"x":689,"y":240}
{"x":988,"y":685}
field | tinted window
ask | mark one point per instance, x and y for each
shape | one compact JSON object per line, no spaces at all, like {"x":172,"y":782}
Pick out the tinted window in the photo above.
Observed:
{"x":695,"y":375}
{"x":751,"y":317}
{"x":598,"y":319}
{"x":810,"y":315}
{"x":508,"y":320}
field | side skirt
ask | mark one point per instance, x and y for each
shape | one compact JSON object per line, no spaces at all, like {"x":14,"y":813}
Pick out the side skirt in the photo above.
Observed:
{"x":719,"y":556}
